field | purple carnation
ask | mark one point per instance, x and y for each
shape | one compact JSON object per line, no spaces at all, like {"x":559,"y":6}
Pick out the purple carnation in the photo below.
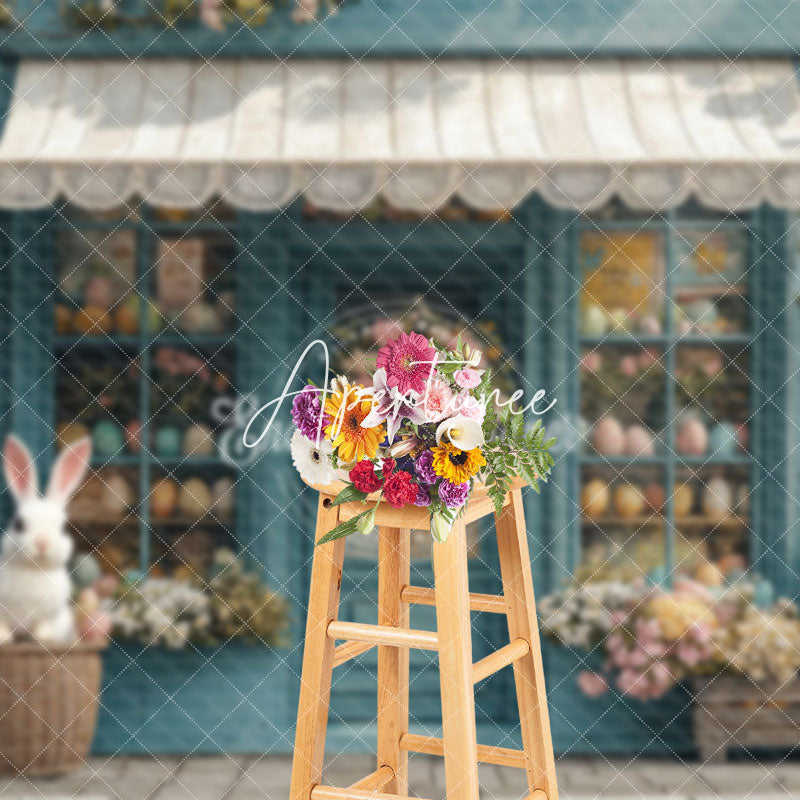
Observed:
{"x":423,"y":466}
{"x":423,"y":496}
{"x":306,"y":411}
{"x":454,"y":495}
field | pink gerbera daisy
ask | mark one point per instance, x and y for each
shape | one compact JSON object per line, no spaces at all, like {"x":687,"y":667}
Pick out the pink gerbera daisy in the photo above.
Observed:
{"x":408,"y":361}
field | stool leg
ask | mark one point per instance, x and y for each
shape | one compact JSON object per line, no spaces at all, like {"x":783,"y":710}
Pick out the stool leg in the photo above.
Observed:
{"x":455,"y":665}
{"x":394,"y":572}
{"x":512,"y":543}
{"x":315,"y":683}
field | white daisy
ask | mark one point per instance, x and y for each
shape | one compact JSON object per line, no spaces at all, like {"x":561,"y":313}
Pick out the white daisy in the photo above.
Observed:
{"x":312,"y":462}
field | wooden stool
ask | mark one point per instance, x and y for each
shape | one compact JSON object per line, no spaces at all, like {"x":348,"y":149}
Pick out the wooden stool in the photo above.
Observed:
{"x":452,"y":640}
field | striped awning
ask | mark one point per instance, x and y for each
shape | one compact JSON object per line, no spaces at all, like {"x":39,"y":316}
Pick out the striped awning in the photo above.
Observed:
{"x":258,"y":133}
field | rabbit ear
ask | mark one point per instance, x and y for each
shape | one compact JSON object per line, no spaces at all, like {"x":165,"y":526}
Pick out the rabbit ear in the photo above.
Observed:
{"x":19,"y":469}
{"x":68,"y":471}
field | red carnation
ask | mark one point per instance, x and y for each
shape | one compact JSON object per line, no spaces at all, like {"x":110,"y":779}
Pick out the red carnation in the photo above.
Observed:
{"x":399,"y":490}
{"x":388,"y":466}
{"x":364,"y":478}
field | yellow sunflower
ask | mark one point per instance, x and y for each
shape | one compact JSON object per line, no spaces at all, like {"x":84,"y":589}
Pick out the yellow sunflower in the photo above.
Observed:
{"x":457,"y":466}
{"x":347,"y":409}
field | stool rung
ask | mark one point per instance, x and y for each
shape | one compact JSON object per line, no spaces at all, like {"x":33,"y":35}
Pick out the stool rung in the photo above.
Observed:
{"x":487,"y":754}
{"x":494,"y":662}
{"x":320,"y":792}
{"x":419,"y":595}
{"x":349,"y":650}
{"x":375,"y":781}
{"x":383,"y":635}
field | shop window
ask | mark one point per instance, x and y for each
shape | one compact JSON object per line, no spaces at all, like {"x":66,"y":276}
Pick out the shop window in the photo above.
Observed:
{"x":665,"y":397}
{"x":145,"y":332}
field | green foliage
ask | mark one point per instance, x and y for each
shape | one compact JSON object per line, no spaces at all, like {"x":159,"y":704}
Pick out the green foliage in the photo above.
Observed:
{"x":511,"y":451}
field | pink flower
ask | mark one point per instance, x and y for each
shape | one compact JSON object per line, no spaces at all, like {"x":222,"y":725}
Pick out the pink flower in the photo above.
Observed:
{"x":468,"y":378}
{"x":639,"y":657}
{"x":437,"y":402}
{"x":661,"y":678}
{"x":592,"y":684}
{"x":648,"y":631}
{"x":633,"y":683}
{"x":468,"y":406}
{"x":409,"y":361}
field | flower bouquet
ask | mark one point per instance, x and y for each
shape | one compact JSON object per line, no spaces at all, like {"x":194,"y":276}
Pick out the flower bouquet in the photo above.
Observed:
{"x":423,"y":434}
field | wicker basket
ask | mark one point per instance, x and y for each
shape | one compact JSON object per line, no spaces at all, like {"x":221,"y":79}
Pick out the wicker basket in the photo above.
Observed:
{"x":48,"y":707}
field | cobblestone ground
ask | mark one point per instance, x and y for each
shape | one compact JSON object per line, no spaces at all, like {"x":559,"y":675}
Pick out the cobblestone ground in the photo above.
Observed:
{"x":267,"y":778}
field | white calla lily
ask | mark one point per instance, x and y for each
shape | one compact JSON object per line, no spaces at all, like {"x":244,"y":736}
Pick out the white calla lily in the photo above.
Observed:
{"x":463,"y":432}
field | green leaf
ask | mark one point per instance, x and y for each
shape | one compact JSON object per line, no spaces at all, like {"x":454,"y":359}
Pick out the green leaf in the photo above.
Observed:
{"x":345,"y":529}
{"x":348,"y":495}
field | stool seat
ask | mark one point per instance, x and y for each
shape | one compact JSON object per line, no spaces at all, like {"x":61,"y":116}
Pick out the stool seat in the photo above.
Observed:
{"x":452,"y":640}
{"x":479,"y":505}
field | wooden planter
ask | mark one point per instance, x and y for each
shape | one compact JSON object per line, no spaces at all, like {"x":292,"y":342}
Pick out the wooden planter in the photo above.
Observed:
{"x":48,"y":707}
{"x":730,"y":711}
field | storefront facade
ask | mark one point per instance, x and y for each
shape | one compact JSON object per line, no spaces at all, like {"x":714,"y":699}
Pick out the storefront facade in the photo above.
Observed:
{"x":685,"y":250}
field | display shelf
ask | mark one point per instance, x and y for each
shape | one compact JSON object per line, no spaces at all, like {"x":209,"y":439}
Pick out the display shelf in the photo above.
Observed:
{"x":700,"y":270}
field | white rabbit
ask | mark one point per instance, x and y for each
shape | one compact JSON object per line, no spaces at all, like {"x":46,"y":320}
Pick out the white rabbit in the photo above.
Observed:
{"x":35,"y":585}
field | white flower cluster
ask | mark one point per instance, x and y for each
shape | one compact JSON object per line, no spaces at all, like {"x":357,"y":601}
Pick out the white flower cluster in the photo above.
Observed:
{"x":582,"y":615}
{"x":162,"y":611}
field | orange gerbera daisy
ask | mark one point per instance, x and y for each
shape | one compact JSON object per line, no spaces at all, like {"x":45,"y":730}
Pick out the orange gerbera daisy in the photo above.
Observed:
{"x":347,"y":410}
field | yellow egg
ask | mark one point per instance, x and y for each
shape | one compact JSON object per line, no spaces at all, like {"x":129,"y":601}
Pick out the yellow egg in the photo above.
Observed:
{"x":594,"y":498}
{"x":195,"y":497}
{"x":70,"y":432}
{"x":93,"y":320}
{"x":628,"y":500}
{"x":164,"y":498}
{"x":683,"y":500}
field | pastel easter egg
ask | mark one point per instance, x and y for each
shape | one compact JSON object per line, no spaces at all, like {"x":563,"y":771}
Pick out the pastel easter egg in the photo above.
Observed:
{"x":126,"y":317}
{"x":164,"y":498}
{"x":117,"y":495}
{"x":92,"y":320}
{"x":223,"y":496}
{"x":742,"y":499}
{"x":618,"y":320}
{"x":742,"y":436}
{"x":683,"y":500}
{"x":649,"y":325}
{"x":594,"y":321}
{"x":85,"y":570}
{"x":722,"y":439}
{"x":655,"y":496}
{"x":692,"y":438}
{"x":717,"y":498}
{"x":198,"y":441}
{"x":595,"y":498}
{"x":133,"y":434}
{"x":107,"y":439}
{"x":99,"y":291}
{"x":608,"y":437}
{"x":194,"y":498}
{"x":199,"y":317}
{"x":628,"y":500}
{"x":167,"y":441}
{"x":63,"y":319}
{"x":69,"y":432}
{"x":638,"y":441}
